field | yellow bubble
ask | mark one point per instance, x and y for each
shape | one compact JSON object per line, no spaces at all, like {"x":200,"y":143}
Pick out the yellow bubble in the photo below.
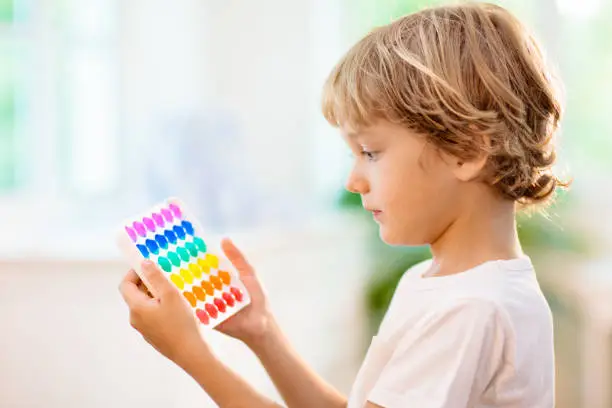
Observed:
{"x":177,"y":280}
{"x":204,"y":265}
{"x":186,"y":275}
{"x":212,"y":260}
{"x":195,"y":270}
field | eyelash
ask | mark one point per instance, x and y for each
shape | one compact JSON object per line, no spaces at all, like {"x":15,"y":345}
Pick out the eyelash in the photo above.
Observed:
{"x":371,"y":156}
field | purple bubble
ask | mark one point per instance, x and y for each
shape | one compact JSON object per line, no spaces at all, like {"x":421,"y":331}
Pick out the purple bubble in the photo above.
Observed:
{"x":149,"y":223}
{"x":140,"y":229}
{"x":159,"y":220}
{"x":167,"y":214}
{"x":131,"y":233}
{"x":176,"y":210}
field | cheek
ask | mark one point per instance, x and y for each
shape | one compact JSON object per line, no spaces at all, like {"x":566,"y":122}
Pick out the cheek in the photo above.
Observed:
{"x":419,"y":206}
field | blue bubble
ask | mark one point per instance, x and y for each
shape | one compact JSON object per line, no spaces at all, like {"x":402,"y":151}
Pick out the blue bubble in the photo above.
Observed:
{"x":143,"y":250}
{"x":161,"y":241}
{"x":171,"y":236}
{"x":152,"y":246}
{"x":188,"y":227}
{"x":180,"y":232}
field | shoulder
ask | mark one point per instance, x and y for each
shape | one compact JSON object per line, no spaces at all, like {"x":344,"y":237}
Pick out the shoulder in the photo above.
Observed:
{"x":416,"y":270}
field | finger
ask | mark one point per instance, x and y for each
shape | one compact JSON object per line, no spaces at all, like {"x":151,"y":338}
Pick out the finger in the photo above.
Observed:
{"x":130,"y":292}
{"x":143,"y":288}
{"x":157,"y":282}
{"x":237,"y":258}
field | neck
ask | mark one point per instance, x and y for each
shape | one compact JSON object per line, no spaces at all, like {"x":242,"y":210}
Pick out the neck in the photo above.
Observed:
{"x":486,"y":231}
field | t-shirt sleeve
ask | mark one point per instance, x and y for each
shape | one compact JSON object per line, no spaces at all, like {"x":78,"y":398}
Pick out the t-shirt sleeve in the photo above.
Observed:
{"x":452,"y":354}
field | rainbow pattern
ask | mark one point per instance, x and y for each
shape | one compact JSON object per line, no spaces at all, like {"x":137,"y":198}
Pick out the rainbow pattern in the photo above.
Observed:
{"x":171,"y":238}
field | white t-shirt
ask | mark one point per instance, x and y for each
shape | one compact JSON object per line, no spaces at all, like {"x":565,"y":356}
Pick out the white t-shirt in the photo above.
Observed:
{"x":482,"y":338}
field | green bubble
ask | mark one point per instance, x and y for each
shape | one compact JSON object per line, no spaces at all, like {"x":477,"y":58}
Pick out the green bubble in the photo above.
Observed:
{"x":164,"y":263}
{"x":183,"y":254}
{"x":200,"y":244}
{"x":191,"y":248}
{"x":174,"y":258}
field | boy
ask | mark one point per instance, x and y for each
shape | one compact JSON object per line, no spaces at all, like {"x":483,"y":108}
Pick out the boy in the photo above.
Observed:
{"x":450,"y":113}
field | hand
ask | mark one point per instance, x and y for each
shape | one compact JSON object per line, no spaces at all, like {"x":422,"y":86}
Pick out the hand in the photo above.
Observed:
{"x":165,"y":321}
{"x":254,"y":321}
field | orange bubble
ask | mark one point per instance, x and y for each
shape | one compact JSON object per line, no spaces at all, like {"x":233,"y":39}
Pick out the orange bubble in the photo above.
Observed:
{"x":216,"y":282}
{"x":190,"y":298}
{"x":225,"y":277}
{"x":199,"y":293}
{"x":208,"y":288}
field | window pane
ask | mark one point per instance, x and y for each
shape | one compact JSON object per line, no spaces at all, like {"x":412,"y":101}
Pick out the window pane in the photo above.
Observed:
{"x":8,"y":152}
{"x":6,"y":11}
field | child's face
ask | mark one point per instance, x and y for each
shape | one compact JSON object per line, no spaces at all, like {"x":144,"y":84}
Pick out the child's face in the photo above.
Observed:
{"x":411,"y":188}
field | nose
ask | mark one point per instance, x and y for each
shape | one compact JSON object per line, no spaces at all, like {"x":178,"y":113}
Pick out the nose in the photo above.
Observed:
{"x":357,"y":183}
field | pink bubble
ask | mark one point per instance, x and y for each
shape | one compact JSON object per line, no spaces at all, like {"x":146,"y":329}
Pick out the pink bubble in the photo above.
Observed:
{"x":167,"y":214}
{"x":149,"y":224}
{"x":159,"y":220}
{"x":140,"y":229}
{"x":131,"y":233}
{"x":176,"y":210}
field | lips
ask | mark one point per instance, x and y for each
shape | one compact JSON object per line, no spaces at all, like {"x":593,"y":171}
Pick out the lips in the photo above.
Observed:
{"x":375,"y":213}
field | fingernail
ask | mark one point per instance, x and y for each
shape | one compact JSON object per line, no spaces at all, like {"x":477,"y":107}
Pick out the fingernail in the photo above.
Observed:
{"x":147,"y":263}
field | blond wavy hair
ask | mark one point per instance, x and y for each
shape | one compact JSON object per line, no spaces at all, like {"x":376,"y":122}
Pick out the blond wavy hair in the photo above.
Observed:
{"x":468,"y":77}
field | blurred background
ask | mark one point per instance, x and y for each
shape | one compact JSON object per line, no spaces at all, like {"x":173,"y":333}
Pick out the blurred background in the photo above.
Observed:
{"x":108,"y":106}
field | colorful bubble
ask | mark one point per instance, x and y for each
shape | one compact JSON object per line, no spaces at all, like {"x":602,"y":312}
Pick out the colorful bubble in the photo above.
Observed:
{"x":237,"y":294}
{"x":174,"y":258}
{"x":216,"y":282}
{"x":152,"y":246}
{"x":164,"y":263}
{"x":195,"y":270}
{"x":162,"y":241}
{"x":208,"y":287}
{"x":179,"y":231}
{"x":182,"y":252}
{"x":199,"y":293}
{"x":190,"y":298}
{"x":220,"y":305}
{"x":212,"y":260}
{"x":159,"y":220}
{"x":143,"y":250}
{"x":193,"y":250}
{"x":188,"y":227}
{"x":228,"y":299}
{"x":225,"y":277}
{"x":167,"y":214}
{"x":204,"y":265}
{"x":199,"y":243}
{"x":140,"y":228}
{"x":177,"y":280}
{"x":202,"y":316}
{"x":170,"y":236}
{"x":148,"y":222}
{"x":176,"y":210}
{"x":131,"y":233}
{"x":186,"y":275}
{"x":212,"y":310}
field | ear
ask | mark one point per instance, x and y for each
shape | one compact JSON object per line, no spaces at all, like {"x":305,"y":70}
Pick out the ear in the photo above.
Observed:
{"x":467,"y":170}
{"x":470,"y":170}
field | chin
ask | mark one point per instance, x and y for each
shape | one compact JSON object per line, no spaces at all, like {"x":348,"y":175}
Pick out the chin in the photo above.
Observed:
{"x":396,"y":238}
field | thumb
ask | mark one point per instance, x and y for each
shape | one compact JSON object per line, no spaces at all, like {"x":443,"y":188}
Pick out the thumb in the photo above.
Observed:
{"x":155,"y":279}
{"x":237,"y":258}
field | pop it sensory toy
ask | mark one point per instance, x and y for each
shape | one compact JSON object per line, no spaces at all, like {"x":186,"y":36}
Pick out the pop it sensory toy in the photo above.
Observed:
{"x":171,"y":237}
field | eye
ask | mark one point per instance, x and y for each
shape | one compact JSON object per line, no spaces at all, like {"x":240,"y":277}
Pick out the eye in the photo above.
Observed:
{"x":371,"y":156}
